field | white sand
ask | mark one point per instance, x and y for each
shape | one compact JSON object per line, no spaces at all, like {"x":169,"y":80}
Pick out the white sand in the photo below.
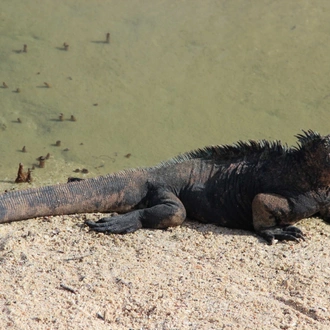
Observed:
{"x":191,"y":277}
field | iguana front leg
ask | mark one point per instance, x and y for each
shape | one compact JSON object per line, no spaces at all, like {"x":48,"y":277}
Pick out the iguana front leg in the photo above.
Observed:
{"x":273,"y":217}
{"x":325,"y":213}
{"x":163,"y":210}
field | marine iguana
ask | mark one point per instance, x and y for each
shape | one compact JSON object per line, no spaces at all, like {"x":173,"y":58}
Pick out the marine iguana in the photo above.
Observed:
{"x":262,"y":186}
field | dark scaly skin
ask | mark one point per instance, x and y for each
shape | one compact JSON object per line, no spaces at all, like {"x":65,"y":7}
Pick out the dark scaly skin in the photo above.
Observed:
{"x":261,"y":186}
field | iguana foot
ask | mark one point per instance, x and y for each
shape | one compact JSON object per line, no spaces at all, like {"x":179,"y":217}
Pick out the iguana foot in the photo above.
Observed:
{"x":289,"y":233}
{"x":117,"y":224}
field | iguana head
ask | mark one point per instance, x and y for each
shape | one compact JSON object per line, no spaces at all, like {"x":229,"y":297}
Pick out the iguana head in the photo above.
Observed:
{"x":314,"y":151}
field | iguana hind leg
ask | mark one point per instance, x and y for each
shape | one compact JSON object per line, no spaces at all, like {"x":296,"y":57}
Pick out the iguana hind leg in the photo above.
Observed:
{"x":272,"y":218}
{"x":163,"y":210}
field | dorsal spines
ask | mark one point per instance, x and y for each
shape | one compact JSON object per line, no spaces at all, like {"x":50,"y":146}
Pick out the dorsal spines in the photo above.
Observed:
{"x":250,"y":150}
{"x":246,"y":151}
{"x":307,"y":138}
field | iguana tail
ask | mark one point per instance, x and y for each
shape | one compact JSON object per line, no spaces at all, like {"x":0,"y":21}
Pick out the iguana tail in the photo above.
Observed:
{"x":119,"y":192}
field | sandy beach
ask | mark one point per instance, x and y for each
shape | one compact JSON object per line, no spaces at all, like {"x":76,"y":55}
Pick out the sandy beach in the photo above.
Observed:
{"x":57,"y":275}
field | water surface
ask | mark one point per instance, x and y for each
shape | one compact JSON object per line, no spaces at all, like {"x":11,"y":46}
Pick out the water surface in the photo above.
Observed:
{"x":176,"y":75}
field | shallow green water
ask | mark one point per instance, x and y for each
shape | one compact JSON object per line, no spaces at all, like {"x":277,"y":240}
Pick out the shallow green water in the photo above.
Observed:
{"x":176,"y":75}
